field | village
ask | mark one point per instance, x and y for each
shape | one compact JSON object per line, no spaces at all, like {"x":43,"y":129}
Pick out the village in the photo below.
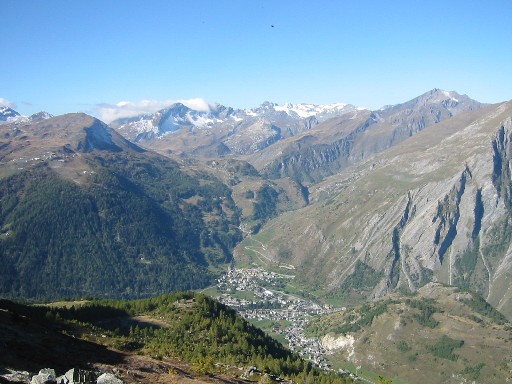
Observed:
{"x":256,"y":294}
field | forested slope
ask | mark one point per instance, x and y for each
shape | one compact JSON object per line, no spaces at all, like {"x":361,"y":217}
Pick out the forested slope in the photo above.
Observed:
{"x":105,"y":219}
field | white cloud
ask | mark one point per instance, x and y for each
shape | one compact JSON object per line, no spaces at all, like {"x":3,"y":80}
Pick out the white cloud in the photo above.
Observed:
{"x":7,"y":103}
{"x":111,"y":112}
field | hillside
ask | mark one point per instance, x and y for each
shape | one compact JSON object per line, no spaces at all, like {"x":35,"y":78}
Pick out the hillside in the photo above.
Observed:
{"x":435,"y":207}
{"x":439,"y":335}
{"x":181,"y":337}
{"x":85,"y":212}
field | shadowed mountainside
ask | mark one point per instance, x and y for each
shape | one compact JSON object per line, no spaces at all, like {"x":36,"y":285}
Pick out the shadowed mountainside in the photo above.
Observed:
{"x":83,"y":211}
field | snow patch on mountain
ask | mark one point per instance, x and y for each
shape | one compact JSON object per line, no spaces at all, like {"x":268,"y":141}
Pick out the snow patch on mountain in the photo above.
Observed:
{"x":450,"y":95}
{"x":308,"y":110}
{"x":172,"y":119}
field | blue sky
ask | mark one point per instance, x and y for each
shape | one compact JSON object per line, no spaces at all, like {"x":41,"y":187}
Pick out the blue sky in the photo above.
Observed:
{"x":68,"y":56}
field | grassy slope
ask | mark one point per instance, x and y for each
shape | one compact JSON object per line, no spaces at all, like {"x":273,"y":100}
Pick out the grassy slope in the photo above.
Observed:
{"x":440,"y":335}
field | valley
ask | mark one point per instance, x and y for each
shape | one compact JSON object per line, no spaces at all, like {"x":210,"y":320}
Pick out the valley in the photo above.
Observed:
{"x":365,"y":241}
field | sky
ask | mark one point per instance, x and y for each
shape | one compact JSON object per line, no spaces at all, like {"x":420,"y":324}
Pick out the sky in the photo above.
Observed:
{"x":118,"y":58}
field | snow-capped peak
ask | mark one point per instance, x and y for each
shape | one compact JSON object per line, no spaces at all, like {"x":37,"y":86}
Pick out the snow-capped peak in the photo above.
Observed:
{"x":307,"y":110}
{"x":178,"y":116}
{"x":301,"y":110}
{"x":8,"y":114}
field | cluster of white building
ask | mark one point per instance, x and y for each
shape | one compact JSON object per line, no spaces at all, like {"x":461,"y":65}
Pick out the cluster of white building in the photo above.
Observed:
{"x":272,"y":304}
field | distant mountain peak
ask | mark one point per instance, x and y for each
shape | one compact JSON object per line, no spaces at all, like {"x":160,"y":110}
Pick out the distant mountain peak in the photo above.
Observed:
{"x":449,"y":101}
{"x":8,"y":114}
{"x":439,"y":94}
{"x":77,"y":131}
{"x":40,"y":116}
{"x":306,"y":110}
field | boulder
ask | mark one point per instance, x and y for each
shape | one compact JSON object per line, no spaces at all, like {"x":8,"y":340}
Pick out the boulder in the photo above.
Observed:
{"x":45,"y":376}
{"x":109,"y":378}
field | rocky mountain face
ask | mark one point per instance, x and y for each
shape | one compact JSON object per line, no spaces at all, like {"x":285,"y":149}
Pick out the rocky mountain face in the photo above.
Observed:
{"x":435,"y":207}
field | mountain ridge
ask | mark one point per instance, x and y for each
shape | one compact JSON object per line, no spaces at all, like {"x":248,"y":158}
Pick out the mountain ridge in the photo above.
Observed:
{"x":233,"y":132}
{"x":305,"y":142}
{"x":345,"y":140}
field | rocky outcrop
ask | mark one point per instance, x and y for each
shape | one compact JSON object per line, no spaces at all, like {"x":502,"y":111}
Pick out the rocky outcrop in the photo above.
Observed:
{"x":45,"y":376}
{"x":447,"y":216}
{"x":502,"y":150}
{"x":333,"y":343}
{"x":10,"y":376}
{"x":81,"y":376}
{"x":109,"y":378}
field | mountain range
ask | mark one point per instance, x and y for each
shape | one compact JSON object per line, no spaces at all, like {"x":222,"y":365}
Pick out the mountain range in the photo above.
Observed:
{"x":222,"y":130}
{"x":9,"y":115}
{"x":303,"y":141}
{"x":404,"y":195}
